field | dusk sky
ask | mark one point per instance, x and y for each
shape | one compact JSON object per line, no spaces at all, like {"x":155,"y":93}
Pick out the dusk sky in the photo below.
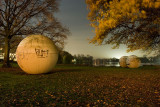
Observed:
{"x":73,"y":14}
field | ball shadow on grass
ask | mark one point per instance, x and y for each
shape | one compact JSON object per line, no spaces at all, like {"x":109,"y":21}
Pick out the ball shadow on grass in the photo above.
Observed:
{"x":13,"y":70}
{"x":63,"y":70}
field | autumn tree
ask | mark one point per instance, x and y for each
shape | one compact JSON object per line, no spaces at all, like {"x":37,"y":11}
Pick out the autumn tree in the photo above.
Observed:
{"x":19,"y":18}
{"x":135,"y":23}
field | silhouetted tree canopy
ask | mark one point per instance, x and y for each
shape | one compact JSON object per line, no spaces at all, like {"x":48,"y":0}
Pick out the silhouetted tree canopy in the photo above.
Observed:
{"x":65,"y":57}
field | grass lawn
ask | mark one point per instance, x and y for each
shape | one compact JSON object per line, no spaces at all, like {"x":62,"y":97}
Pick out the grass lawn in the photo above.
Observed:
{"x":81,"y":86}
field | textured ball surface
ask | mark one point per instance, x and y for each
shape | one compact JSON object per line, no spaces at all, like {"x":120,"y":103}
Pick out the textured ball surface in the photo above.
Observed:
{"x":133,"y":61}
{"x":122,"y":61}
{"x":36,"y":54}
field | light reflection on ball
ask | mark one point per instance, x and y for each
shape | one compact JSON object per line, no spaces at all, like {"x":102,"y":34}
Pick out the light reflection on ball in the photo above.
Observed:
{"x":122,"y":61}
{"x":133,"y":61}
{"x":36,"y":54}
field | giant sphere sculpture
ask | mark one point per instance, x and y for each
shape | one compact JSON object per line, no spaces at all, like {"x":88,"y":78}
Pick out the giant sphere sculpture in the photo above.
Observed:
{"x":133,"y":61}
{"x":36,"y":54}
{"x":122,"y":61}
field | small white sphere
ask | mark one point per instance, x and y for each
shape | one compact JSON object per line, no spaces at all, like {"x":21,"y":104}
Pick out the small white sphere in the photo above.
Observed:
{"x":133,"y":61}
{"x":36,"y":54}
{"x":122,"y":61}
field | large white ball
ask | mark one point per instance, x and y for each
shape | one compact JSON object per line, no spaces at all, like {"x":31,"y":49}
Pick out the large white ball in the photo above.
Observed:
{"x":36,"y":54}
{"x":122,"y":61}
{"x":133,"y":61}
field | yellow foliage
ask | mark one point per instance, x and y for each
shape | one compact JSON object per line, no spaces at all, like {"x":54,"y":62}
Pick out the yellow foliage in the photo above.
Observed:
{"x":106,"y":16}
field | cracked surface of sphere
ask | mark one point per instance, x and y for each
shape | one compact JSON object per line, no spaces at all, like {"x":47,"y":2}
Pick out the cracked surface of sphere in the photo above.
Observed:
{"x":36,"y":54}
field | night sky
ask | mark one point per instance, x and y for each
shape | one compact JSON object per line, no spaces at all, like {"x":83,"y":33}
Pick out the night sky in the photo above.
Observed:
{"x":73,"y":14}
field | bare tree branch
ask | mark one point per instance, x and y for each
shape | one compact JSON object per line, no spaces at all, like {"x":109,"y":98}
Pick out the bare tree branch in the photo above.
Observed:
{"x":24,"y":17}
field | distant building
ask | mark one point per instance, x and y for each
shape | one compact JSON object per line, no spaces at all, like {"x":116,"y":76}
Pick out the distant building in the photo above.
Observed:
{"x":11,"y":55}
{"x":1,"y":55}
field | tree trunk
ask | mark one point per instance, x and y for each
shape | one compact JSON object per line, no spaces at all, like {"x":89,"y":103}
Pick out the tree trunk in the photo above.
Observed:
{"x":6,"y":53}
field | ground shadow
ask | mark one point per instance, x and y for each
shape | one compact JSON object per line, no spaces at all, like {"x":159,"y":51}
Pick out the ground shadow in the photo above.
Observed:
{"x":63,"y":70}
{"x":19,"y":71}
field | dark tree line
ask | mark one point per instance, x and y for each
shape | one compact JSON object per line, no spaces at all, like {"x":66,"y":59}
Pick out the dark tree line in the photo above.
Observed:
{"x":65,"y":58}
{"x":83,"y":59}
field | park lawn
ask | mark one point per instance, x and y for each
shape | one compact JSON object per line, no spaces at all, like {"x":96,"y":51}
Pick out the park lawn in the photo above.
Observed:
{"x":70,"y":85}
